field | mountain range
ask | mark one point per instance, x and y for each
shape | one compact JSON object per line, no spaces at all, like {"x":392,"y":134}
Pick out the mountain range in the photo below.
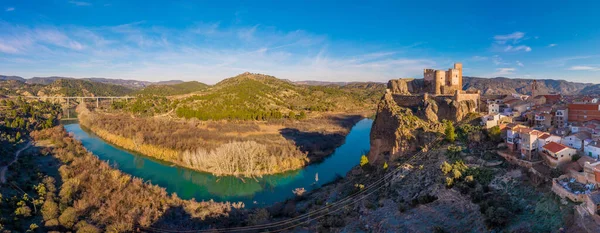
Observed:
{"x":488,"y":86}
{"x":133,"y":84}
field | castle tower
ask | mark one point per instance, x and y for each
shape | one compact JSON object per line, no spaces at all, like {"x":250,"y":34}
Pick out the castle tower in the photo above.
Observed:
{"x":440,"y":81}
{"x":458,"y":66}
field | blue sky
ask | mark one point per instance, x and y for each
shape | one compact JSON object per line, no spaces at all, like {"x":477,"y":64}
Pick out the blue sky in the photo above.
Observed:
{"x":309,"y":40}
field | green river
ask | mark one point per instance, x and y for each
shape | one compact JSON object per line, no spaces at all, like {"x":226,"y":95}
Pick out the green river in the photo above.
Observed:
{"x":257,"y":192}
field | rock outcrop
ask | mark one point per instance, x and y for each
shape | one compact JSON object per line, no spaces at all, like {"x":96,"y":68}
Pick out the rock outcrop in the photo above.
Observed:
{"x":407,"y":123}
{"x":397,"y":131}
{"x":406,"y":86}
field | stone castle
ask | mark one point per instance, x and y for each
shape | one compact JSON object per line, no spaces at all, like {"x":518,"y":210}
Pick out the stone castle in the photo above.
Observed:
{"x":441,"y":82}
{"x":438,"y":86}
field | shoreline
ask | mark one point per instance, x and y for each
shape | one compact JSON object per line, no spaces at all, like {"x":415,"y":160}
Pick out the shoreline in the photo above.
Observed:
{"x":193,"y":160}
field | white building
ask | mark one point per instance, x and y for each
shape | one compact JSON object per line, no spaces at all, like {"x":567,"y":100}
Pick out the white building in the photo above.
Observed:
{"x":577,"y":140}
{"x":592,"y":149}
{"x":493,"y":108}
{"x":547,"y":138}
{"x":491,"y":120}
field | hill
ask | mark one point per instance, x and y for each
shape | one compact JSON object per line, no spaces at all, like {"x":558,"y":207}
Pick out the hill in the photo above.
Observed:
{"x":173,"y":89}
{"x":6,"y":78}
{"x":501,"y":85}
{"x":62,"y":87}
{"x":591,"y":90}
{"x":257,"y":96}
{"x":78,"y":87}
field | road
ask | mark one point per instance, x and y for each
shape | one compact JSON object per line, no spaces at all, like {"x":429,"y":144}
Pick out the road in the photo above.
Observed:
{"x":5,"y":168}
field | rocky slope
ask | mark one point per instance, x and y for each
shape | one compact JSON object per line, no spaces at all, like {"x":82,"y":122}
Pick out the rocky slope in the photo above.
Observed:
{"x":591,"y":90}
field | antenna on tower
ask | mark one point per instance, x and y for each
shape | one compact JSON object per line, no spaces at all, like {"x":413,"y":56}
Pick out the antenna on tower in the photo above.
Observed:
{"x":533,"y":88}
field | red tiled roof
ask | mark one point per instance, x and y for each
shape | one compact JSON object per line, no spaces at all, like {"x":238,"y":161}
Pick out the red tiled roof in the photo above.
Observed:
{"x":545,"y":136}
{"x":583,"y":106}
{"x":552,"y":97}
{"x":554,"y":147}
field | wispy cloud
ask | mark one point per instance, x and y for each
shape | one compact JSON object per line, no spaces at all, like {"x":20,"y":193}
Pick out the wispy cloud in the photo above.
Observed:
{"x":207,"y":52}
{"x":10,"y":9}
{"x":513,"y":37}
{"x":497,"y":60}
{"x":563,"y":61}
{"x":584,"y":68}
{"x":520,"y":64}
{"x":552,"y":45}
{"x":510,"y":43}
{"x":80,"y":3}
{"x":479,"y":58}
{"x":504,"y":71}
{"x":510,"y":48}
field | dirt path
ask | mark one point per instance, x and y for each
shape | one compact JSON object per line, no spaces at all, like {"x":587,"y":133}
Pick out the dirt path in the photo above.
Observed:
{"x":5,"y":168}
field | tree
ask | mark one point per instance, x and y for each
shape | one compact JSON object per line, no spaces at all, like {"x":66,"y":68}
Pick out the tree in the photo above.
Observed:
{"x":495,"y":133}
{"x":68,"y":217}
{"x":302,"y":115}
{"x":291,"y":115}
{"x":449,"y":131}
{"x":364,"y":160}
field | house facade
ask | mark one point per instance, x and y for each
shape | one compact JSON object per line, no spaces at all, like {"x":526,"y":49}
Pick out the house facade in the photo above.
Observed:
{"x":577,"y":140}
{"x":556,"y":154}
{"x":592,"y":149}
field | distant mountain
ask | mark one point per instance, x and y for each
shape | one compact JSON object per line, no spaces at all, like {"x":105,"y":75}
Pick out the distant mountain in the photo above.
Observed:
{"x":327,"y":83}
{"x":81,"y":87}
{"x":6,"y":78}
{"x":62,"y":87}
{"x":501,"y":85}
{"x":173,"y":89}
{"x":44,"y":80}
{"x":134,"y":84}
{"x":591,"y":90}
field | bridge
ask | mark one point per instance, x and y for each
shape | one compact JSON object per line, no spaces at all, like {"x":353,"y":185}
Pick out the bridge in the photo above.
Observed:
{"x":81,"y":98}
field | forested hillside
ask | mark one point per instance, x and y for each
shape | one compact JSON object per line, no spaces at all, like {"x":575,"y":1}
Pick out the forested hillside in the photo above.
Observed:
{"x":62,"y":87}
{"x":261,"y":97}
{"x":174,"y":89}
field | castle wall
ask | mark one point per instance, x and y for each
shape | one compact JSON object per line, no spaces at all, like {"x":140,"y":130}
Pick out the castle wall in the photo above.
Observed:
{"x":408,"y":101}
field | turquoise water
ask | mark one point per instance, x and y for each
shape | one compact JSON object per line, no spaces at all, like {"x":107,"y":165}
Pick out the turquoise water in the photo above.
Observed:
{"x":263,"y":191}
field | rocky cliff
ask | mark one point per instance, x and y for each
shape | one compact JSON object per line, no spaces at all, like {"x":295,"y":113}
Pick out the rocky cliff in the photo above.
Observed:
{"x":405,"y":124}
{"x":397,"y":131}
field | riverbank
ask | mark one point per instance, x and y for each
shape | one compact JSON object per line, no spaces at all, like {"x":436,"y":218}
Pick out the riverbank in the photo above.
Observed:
{"x":247,"y":149}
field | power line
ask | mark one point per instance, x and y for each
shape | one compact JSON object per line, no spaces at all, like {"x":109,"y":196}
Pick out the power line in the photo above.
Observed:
{"x":309,"y":214}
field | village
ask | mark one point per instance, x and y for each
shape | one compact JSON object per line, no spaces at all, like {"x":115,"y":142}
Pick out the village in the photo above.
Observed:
{"x":556,"y":137}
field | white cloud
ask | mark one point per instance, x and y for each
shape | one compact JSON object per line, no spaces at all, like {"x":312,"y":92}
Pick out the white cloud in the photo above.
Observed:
{"x":585,"y":68}
{"x":497,"y":60}
{"x":80,"y":3}
{"x":510,"y":48}
{"x":478,"y":58}
{"x":206,"y":52}
{"x":7,"y":48}
{"x":552,"y":45}
{"x":504,"y":71}
{"x":514,"y":37}
{"x":10,"y":9}
{"x":520,"y":64}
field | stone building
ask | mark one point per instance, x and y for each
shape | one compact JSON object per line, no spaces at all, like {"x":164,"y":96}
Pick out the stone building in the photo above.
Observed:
{"x":442,"y":82}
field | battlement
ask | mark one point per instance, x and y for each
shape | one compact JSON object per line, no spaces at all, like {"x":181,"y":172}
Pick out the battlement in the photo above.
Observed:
{"x":444,"y":82}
